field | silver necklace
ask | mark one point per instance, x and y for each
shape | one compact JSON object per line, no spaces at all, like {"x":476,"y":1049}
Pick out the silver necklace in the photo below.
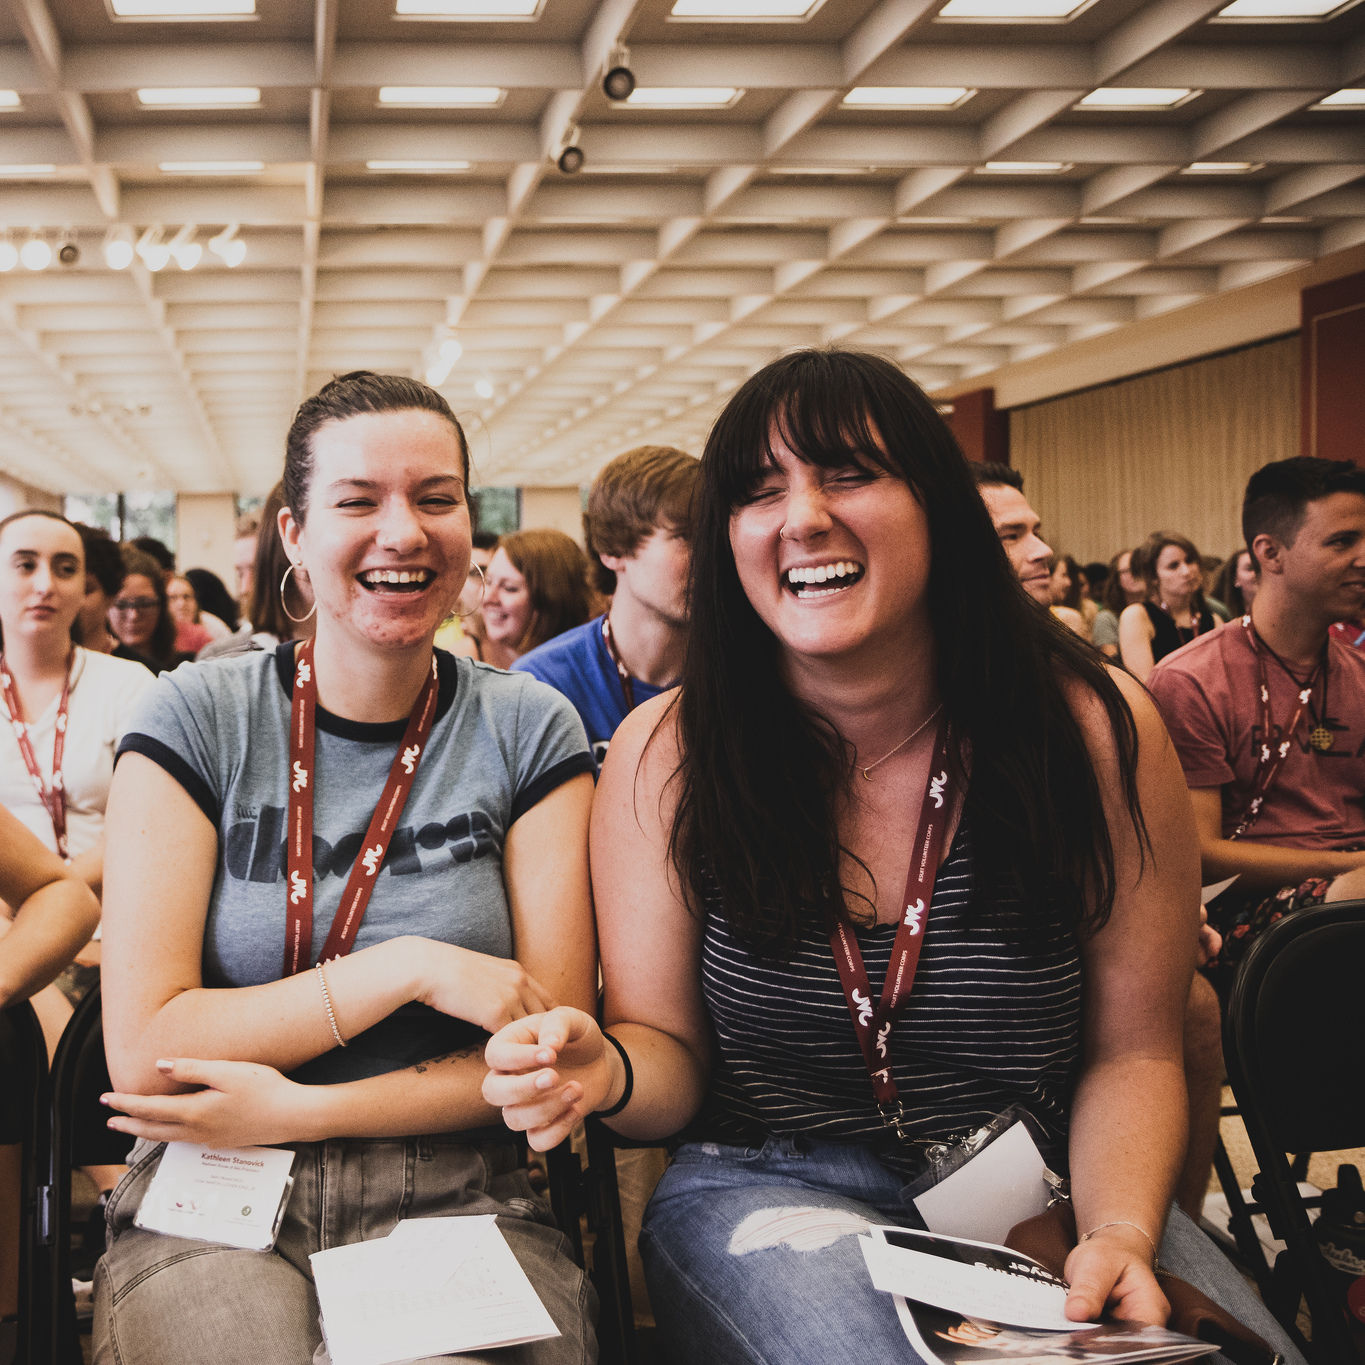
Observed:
{"x":867,"y":772}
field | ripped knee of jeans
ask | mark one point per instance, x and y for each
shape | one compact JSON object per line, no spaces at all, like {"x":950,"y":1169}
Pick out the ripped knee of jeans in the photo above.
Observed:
{"x":802,"y":1228}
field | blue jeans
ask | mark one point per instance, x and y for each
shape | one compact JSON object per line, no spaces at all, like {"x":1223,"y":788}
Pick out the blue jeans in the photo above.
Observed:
{"x":166,"y":1301}
{"x":752,"y":1257}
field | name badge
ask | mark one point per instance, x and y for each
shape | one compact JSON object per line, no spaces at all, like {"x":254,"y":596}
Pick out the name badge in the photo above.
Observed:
{"x":232,"y":1195}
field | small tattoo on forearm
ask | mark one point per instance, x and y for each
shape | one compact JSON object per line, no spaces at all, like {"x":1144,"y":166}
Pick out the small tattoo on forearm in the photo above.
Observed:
{"x":460,"y":1056}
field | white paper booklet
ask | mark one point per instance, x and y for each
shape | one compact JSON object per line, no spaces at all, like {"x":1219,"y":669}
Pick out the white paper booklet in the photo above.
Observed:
{"x":433,"y":1286}
{"x":962,"y":1302}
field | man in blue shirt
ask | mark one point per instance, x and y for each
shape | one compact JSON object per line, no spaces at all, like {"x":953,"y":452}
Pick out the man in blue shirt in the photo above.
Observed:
{"x":638,"y":529}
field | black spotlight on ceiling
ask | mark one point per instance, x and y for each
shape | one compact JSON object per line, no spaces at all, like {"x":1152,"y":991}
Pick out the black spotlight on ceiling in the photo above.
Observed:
{"x":68,"y":253}
{"x":570,"y":159}
{"x":619,"y":82}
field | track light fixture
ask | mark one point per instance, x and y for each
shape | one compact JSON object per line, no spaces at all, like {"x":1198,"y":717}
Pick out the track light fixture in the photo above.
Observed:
{"x":228,"y":247}
{"x":447,"y":352}
{"x":68,"y":252}
{"x":152,"y":251}
{"x":570,"y":159}
{"x":619,"y":81}
{"x":185,"y":251}
{"x":35,"y":253}
{"x":118,"y":248}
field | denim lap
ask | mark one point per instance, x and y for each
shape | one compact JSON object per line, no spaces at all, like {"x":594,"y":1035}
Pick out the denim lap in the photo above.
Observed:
{"x":752,"y":1258}
{"x":164,"y":1299}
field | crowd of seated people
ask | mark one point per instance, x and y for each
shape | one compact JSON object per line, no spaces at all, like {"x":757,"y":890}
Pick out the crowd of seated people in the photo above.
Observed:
{"x":690,"y":768}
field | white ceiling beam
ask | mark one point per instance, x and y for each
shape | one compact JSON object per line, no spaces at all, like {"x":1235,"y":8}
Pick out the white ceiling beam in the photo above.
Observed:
{"x":278,"y":207}
{"x":1107,"y":188}
{"x":513,"y":66}
{"x":1298,"y":145}
{"x":1341,"y":236}
{"x":1105,"y":146}
{"x":987,"y":66}
{"x":798,"y":112}
{"x":467,"y":141}
{"x":1193,"y":201}
{"x":1294,"y":188}
{"x":1151,"y":27}
{"x":1245,"y":116}
{"x":1210,"y":66}
{"x":1022,"y":116}
{"x":886,"y":25}
{"x":148,"y":144}
{"x":119,"y":67}
{"x":908,"y":146}
{"x":1015,"y":237}
{"x":1193,"y":232}
{"x":752,"y":66}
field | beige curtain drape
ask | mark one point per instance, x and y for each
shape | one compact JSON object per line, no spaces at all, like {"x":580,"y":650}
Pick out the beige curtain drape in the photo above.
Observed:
{"x":1166,"y":451}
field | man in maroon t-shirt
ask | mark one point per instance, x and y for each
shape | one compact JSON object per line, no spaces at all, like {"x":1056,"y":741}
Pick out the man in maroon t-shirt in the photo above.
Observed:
{"x":1268,"y":713}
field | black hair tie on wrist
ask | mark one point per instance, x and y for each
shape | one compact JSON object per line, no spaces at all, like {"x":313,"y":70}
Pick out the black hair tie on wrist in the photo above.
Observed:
{"x":630,"y":1079}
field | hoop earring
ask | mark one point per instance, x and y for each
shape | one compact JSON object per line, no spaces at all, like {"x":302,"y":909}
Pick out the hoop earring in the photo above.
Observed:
{"x":284,"y":606}
{"x":483,"y":592}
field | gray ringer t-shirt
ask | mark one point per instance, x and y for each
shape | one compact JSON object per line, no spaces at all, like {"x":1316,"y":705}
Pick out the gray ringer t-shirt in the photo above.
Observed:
{"x":500,"y":742}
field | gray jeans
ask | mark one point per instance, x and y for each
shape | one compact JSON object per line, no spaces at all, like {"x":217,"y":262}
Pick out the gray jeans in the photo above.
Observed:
{"x":165,"y":1300}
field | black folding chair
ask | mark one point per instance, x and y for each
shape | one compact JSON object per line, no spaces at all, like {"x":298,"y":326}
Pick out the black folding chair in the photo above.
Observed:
{"x":24,"y":1085}
{"x":1292,"y":1015}
{"x":78,"y":1060}
{"x":587,"y":1196}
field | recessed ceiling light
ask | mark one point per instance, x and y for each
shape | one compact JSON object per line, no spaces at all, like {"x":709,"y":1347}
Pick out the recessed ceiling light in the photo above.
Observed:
{"x":1135,"y":97}
{"x":9,"y":99}
{"x":1342,"y":99}
{"x":1021,"y":10}
{"x":27,"y":170}
{"x":684,"y":96}
{"x":1221,"y":167}
{"x":743,"y":9}
{"x":468,"y":9}
{"x":1276,"y":220}
{"x":182,"y":9}
{"x":1024,"y":167}
{"x":430,"y":167}
{"x":908,"y":96}
{"x":200,"y":97}
{"x":1280,"y":9}
{"x":210,"y":167}
{"x":441,"y":96}
{"x":821,"y":170}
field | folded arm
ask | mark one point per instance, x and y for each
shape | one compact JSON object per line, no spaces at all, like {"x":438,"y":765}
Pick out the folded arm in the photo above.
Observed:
{"x":54,"y":915}
{"x":1259,"y":866}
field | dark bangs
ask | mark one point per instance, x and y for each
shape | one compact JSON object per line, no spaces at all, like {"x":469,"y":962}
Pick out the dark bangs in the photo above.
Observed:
{"x":825,"y":409}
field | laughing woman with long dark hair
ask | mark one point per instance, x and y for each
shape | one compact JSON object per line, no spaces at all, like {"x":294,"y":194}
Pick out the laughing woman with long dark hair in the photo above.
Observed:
{"x":871,"y":703}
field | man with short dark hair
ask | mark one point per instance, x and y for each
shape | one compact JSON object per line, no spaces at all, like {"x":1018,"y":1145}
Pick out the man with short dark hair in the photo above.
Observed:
{"x":1018,"y":526}
{"x":638,"y":529}
{"x":1268,"y":712}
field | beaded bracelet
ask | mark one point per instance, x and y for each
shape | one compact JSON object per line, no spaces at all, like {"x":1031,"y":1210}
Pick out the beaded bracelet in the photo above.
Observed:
{"x":327,"y":1005}
{"x":630,"y":1079}
{"x":1125,"y":1223}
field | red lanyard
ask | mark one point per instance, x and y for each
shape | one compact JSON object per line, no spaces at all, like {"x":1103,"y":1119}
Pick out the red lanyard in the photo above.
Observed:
{"x":872,"y":1024}
{"x":627,"y":682}
{"x":53,"y":798}
{"x":1275,"y":744}
{"x":341,"y":937}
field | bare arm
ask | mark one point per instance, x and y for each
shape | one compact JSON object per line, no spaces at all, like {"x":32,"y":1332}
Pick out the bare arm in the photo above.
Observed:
{"x":156,"y":1005}
{"x":54,"y":917}
{"x":1135,"y":641}
{"x":547,"y":1074}
{"x":1259,"y":866}
{"x":1128,"y":1120}
{"x":546,"y":876}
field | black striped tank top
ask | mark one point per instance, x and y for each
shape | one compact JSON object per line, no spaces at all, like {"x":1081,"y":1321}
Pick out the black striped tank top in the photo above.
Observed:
{"x":993,"y":1020}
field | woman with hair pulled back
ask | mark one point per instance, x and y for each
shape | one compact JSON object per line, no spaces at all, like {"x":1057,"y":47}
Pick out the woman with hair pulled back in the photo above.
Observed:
{"x":380,"y":859}
{"x":878,"y":743}
{"x":1173,"y":612}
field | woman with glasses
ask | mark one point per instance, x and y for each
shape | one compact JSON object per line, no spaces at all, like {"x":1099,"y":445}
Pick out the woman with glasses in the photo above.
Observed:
{"x":140,"y":616}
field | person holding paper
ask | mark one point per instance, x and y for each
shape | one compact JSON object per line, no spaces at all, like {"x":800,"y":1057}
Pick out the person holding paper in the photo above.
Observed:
{"x":379,"y":856}
{"x":869,"y":703}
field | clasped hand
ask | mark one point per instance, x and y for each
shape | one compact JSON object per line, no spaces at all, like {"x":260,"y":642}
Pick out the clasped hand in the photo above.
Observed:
{"x":241,"y":1104}
{"x":548,"y":1072}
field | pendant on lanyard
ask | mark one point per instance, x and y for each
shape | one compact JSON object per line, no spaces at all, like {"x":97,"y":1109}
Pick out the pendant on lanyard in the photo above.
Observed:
{"x":355,"y":898}
{"x":54,"y":797}
{"x":627,"y":682}
{"x":1275,"y":744}
{"x":872,"y":1022}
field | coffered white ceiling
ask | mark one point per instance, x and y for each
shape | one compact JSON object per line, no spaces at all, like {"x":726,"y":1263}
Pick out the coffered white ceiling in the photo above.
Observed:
{"x":623,"y":303}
